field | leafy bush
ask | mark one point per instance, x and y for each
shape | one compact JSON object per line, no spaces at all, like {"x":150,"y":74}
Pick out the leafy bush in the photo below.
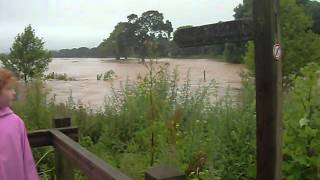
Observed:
{"x":109,"y":75}
{"x":301,"y":126}
{"x":61,"y":77}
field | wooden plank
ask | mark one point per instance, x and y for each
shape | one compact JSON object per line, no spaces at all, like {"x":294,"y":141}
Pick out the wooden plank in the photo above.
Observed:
{"x":40,"y":138}
{"x":268,"y":89}
{"x":61,"y":122}
{"x":88,"y":163}
{"x":64,"y":169}
{"x":43,"y":137}
{"x":231,"y":31}
{"x":164,"y":173}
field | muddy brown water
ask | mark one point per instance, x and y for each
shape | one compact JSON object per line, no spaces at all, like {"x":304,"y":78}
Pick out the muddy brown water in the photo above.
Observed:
{"x":92,"y":92}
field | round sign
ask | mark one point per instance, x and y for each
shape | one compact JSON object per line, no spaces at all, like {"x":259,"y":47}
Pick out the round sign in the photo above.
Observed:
{"x":277,"y":52}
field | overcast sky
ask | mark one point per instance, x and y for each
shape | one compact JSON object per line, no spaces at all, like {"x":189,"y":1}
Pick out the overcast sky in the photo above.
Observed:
{"x":78,"y":23}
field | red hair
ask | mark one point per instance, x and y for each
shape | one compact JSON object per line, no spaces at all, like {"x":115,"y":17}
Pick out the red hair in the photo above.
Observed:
{"x":6,"y":78}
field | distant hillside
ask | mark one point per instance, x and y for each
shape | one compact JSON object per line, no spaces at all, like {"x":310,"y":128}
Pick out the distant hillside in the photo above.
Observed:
{"x":82,"y":52}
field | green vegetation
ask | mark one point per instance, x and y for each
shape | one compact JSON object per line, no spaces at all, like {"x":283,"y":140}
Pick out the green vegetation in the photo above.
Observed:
{"x":27,"y":57}
{"x":139,"y":35}
{"x":109,"y":75}
{"x":61,"y":77}
{"x":300,"y":45}
{"x":312,"y":8}
{"x":302,"y":125}
{"x":184,"y":122}
{"x":99,"y":76}
{"x":82,"y":52}
{"x":300,"y":19}
{"x":120,"y":41}
{"x":192,"y":128}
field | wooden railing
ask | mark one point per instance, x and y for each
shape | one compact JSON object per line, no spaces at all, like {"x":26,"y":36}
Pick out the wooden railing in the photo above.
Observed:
{"x":69,"y":155}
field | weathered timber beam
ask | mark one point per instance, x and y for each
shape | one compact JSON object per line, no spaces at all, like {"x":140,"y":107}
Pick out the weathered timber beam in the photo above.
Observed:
{"x":88,"y":163}
{"x":64,"y":169}
{"x":231,"y":31}
{"x":41,"y":138}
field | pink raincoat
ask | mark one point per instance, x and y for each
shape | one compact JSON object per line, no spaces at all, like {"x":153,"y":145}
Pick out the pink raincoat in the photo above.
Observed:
{"x":16,"y":160}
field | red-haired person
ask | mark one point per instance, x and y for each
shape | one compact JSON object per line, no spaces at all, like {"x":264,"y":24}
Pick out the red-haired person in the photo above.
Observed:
{"x":16,"y":160}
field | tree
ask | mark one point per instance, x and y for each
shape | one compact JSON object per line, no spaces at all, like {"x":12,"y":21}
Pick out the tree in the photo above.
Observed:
{"x":139,"y":35}
{"x":3,"y":56}
{"x":147,"y":29}
{"x":243,"y":10}
{"x":300,"y":45}
{"x":312,"y":8}
{"x":27,"y":57}
{"x":82,"y":52}
{"x":120,"y":41}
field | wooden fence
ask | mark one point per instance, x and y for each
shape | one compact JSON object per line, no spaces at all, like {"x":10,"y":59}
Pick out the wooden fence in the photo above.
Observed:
{"x":70,"y":155}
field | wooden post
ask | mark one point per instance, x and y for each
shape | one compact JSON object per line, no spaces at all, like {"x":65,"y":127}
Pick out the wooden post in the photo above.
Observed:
{"x":204,"y":73}
{"x":64,"y":169}
{"x":164,"y":173}
{"x":268,"y":88}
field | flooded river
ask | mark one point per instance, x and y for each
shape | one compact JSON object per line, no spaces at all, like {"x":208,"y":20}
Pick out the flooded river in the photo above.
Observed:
{"x":87,"y":89}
